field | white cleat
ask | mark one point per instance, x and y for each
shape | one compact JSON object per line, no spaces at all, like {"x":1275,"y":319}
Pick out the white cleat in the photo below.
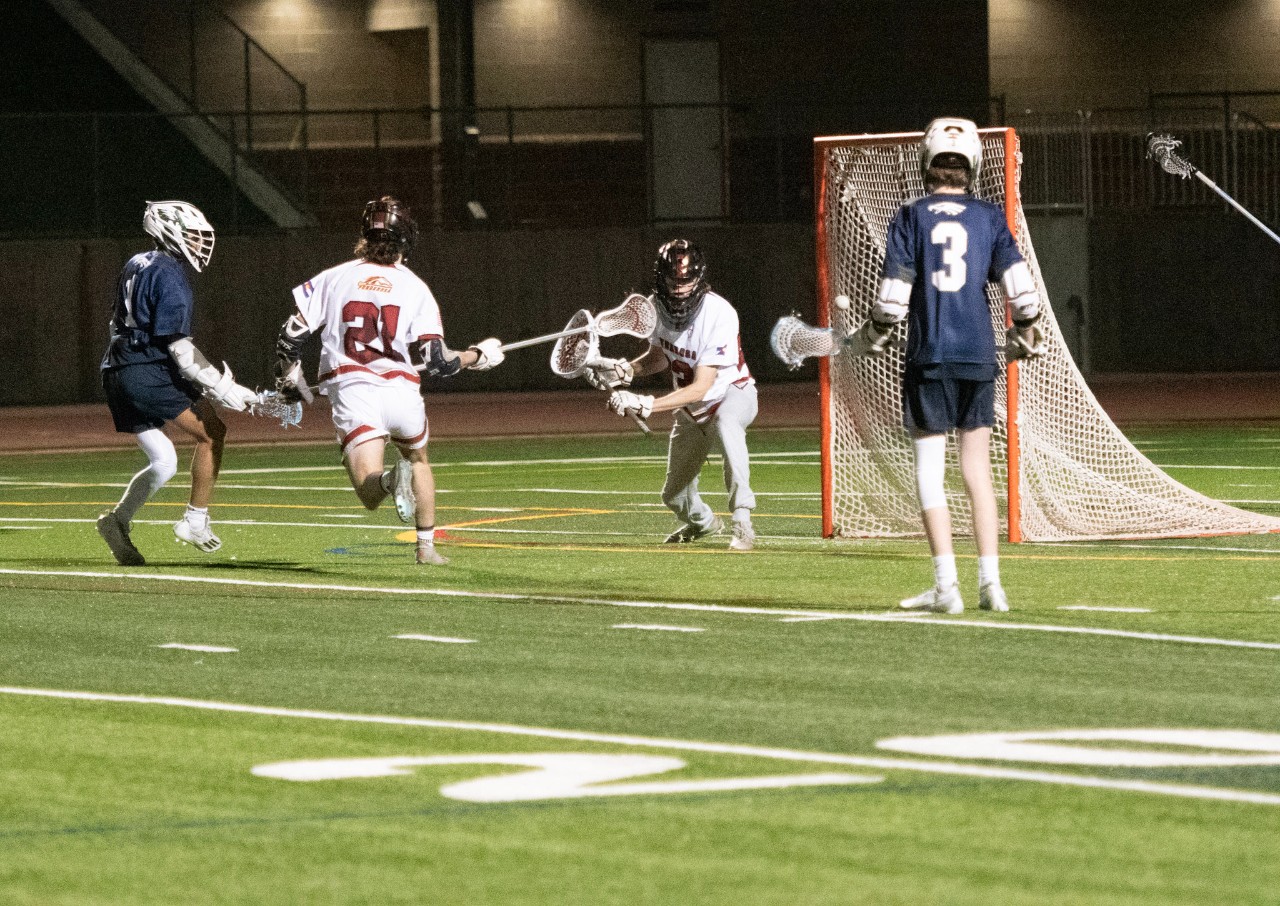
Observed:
{"x":992,"y":597}
{"x":202,"y":537}
{"x":936,"y":600}
{"x":744,"y":537}
{"x":402,"y":489}
{"x":116,"y":534}
{"x":428,"y":556}
{"x":690,"y":532}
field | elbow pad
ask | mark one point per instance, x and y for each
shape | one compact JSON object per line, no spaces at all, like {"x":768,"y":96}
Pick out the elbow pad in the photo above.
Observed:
{"x":293,"y":333}
{"x":1020,"y":290}
{"x":440,"y":360}
{"x":192,"y":364}
{"x":891,"y":304}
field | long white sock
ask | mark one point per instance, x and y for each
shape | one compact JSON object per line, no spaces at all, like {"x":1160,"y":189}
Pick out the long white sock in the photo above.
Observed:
{"x":944,"y":570}
{"x":162,"y":465}
{"x":989,"y":570}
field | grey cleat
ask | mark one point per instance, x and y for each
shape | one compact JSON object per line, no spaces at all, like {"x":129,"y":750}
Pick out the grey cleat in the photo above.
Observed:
{"x":402,"y":489}
{"x":690,"y":532}
{"x":116,"y":534}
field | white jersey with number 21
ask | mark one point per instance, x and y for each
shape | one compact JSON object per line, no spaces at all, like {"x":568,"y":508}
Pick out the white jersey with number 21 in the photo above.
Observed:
{"x":711,"y":338}
{"x":368,"y":315}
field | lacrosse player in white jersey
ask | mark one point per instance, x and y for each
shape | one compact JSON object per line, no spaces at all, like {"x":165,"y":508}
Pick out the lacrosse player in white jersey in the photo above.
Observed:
{"x":941,"y":251}
{"x":154,"y":375}
{"x":370,"y":313}
{"x":714,"y":399}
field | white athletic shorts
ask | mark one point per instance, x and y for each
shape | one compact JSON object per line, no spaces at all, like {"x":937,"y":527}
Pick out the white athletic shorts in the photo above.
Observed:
{"x":363,"y":411}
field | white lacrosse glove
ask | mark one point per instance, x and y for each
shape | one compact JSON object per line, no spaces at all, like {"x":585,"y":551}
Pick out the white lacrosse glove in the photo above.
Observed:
{"x":610,"y":374}
{"x":624,"y":402}
{"x":491,"y":354}
{"x":870,"y":339}
{"x":1025,"y":342}
{"x":230,"y":395}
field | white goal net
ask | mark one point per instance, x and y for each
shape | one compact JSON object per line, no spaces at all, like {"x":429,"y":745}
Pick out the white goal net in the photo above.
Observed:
{"x":1065,"y":471}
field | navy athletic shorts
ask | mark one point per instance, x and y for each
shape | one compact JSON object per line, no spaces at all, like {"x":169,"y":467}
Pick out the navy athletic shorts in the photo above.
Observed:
{"x":147,"y":395}
{"x":937,"y":398}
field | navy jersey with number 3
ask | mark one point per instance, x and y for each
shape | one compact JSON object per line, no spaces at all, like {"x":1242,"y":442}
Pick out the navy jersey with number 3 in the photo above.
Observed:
{"x":949,"y":247}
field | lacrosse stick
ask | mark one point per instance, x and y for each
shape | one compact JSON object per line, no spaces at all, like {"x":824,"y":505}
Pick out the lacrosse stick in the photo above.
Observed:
{"x":793,"y":341}
{"x":578,"y":348}
{"x":270,"y":404}
{"x":635,"y":317}
{"x":1163,"y":149}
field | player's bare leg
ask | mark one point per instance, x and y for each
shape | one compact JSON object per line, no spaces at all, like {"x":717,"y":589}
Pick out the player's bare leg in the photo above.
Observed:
{"x":975,"y":467}
{"x":202,"y":424}
{"x":365,"y":468}
{"x":424,"y":509}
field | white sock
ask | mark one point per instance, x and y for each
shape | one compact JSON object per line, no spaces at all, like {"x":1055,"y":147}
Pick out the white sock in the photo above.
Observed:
{"x":426,"y":536}
{"x":944,"y":570}
{"x":197,"y":515}
{"x":742,"y":515}
{"x":387,"y":481}
{"x":989,"y":570}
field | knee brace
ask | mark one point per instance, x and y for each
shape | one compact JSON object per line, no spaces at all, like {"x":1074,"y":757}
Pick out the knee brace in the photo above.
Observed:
{"x":931,"y":465}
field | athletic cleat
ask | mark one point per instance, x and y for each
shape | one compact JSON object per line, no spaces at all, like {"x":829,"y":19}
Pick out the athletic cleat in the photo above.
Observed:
{"x":201,"y":537}
{"x":428,"y":556}
{"x":116,"y":534}
{"x":402,"y":485}
{"x":690,"y":532}
{"x":992,"y":597}
{"x":936,"y":600}
{"x":744,"y":537}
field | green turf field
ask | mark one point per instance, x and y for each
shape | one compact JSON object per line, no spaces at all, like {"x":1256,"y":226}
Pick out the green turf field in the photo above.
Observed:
{"x":588,"y":716}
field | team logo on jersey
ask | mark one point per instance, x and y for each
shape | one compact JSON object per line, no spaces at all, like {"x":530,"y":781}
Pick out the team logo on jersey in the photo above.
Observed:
{"x":950,"y":208}
{"x":377,"y":284}
{"x":308,"y":289}
{"x":720,"y":349}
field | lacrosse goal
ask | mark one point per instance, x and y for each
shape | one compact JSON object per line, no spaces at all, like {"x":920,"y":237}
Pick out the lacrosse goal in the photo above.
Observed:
{"x":1066,"y":472}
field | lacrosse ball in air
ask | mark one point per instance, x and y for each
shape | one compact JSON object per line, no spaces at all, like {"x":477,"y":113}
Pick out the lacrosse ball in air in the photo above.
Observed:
{"x":842,"y":302}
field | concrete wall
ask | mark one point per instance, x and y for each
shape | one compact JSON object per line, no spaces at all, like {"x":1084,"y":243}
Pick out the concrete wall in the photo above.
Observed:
{"x":1055,"y":55}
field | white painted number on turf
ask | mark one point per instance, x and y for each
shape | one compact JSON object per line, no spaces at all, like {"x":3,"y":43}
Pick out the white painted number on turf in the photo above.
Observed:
{"x":552,"y":776}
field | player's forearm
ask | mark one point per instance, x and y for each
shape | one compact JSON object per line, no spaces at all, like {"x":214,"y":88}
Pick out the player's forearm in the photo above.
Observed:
{"x":652,"y":362}
{"x":677,"y":399}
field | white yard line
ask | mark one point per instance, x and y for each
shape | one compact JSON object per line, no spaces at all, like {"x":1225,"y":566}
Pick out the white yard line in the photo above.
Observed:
{"x":415,"y":637}
{"x":1105,"y":609}
{"x":937,"y":621}
{"x":658,"y":627}
{"x":211,"y":649}
{"x":732,"y":749}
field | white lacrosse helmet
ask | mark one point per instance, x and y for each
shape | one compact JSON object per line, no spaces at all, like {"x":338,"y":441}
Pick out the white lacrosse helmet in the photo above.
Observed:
{"x":180,"y":229}
{"x":952,"y":135}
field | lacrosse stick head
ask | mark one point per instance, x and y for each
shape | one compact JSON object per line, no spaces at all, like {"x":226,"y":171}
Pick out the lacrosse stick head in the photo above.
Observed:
{"x":572,"y":354}
{"x":270,"y":404}
{"x":636,"y":317}
{"x":793,"y":341}
{"x":1163,"y":149}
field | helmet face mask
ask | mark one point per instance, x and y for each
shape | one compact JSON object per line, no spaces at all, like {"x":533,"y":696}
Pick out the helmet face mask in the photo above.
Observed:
{"x":679,"y":282}
{"x":388,"y":220}
{"x":952,"y":135}
{"x":181,"y":230}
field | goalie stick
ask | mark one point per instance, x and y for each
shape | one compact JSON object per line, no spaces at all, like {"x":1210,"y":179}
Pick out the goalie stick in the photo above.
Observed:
{"x":1163,"y":149}
{"x":578,"y":348}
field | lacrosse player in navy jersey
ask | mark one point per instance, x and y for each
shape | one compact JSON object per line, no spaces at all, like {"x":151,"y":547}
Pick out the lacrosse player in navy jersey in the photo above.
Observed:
{"x":153,"y":375}
{"x":940,"y":253}
{"x":370,"y":312}
{"x":714,"y":399}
